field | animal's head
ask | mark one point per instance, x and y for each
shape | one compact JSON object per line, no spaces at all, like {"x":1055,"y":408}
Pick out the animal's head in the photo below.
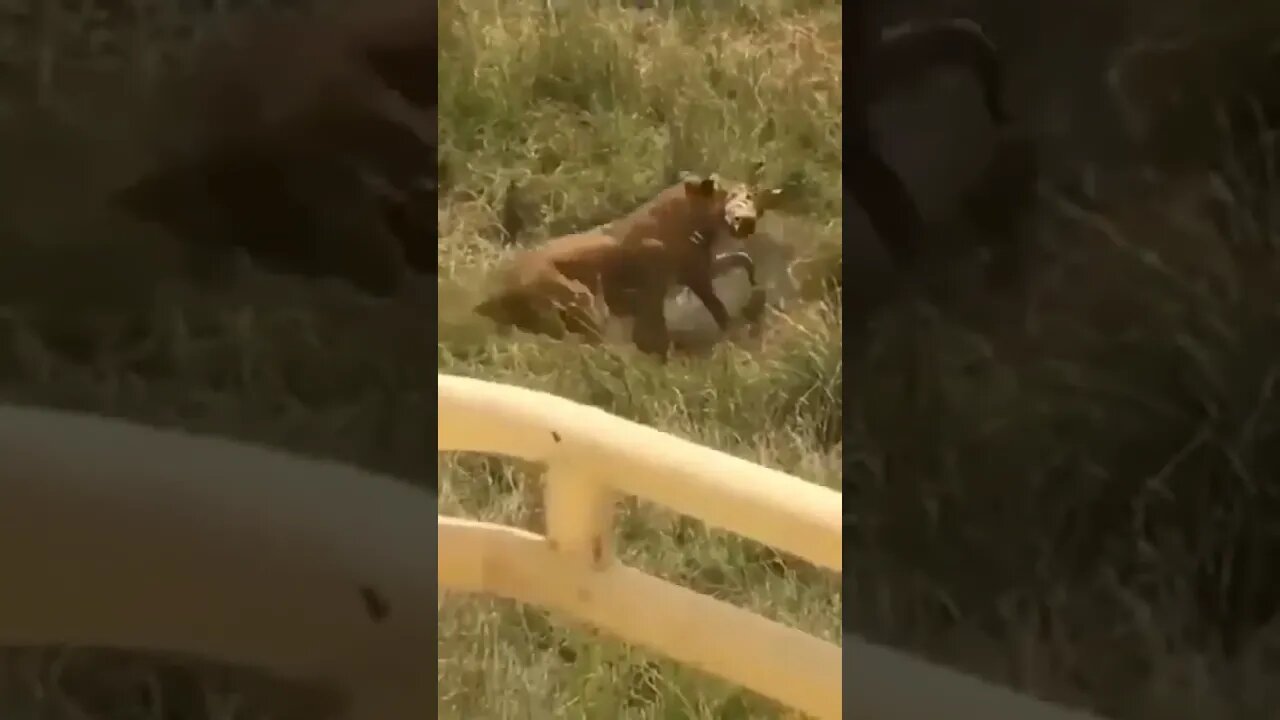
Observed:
{"x":739,"y":205}
{"x":704,"y":197}
{"x":702,"y":192}
{"x":744,"y":205}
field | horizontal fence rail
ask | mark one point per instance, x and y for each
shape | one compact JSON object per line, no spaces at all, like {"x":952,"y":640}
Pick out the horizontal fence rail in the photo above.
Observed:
{"x":592,"y":457}
{"x":118,"y":535}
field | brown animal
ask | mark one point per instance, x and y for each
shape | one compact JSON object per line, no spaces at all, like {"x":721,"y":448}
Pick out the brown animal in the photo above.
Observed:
{"x":744,"y":206}
{"x":631,"y":264}
{"x":310,"y":145}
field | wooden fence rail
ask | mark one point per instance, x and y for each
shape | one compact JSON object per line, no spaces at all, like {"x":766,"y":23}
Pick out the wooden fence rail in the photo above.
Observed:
{"x":117,"y":535}
{"x":591,"y":457}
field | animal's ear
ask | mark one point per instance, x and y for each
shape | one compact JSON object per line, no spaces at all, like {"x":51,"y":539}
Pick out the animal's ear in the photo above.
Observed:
{"x":696,"y":186}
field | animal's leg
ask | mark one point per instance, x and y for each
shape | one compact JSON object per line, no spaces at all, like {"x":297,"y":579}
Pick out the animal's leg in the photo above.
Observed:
{"x":696,"y":267}
{"x":575,"y":305}
{"x":649,"y":332}
{"x":753,"y":311}
{"x":580,"y":321}
{"x":585,"y":317}
{"x":650,"y":278}
{"x":702,"y":287}
{"x":522,"y":310}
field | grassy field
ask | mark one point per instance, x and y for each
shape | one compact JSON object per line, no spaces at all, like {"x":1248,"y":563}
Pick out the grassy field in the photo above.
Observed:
{"x":1070,"y":492}
{"x":589,"y":109}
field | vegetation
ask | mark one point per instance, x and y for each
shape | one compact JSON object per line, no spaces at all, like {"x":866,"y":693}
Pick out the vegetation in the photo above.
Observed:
{"x":588,"y":109}
{"x":1069,"y":490}
{"x":1072,"y":489}
{"x":591,"y":110}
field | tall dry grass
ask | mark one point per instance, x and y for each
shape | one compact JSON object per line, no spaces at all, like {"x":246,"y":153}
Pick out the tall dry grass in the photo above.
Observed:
{"x":586,"y":109}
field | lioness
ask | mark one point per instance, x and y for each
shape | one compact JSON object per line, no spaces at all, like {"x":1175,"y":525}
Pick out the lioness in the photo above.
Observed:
{"x":631,"y":263}
{"x":745,"y":205}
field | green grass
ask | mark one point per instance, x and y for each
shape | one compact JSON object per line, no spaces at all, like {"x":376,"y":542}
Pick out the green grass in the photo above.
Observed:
{"x":590,"y":109}
{"x":591,"y":112}
{"x":1074,"y":494}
